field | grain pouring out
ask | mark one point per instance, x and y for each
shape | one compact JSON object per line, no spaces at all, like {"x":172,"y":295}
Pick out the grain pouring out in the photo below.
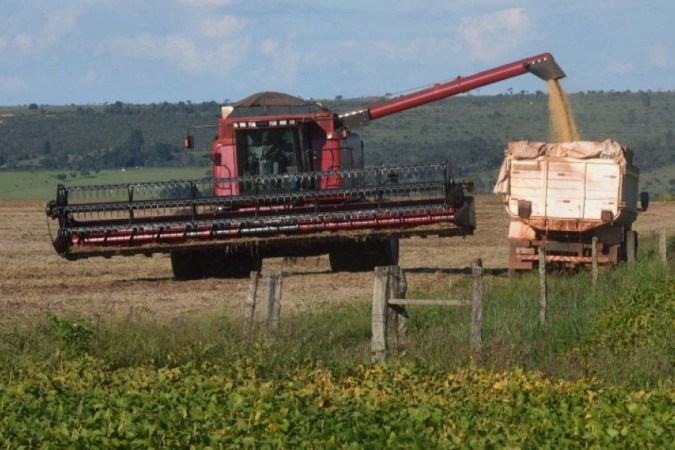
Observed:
{"x":563,"y":127}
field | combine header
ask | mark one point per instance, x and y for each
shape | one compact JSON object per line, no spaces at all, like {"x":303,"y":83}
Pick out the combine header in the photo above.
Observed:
{"x":288,"y":180}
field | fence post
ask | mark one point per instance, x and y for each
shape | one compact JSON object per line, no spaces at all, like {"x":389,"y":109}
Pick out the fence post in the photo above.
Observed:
{"x":392,"y":313}
{"x":250,"y":302}
{"x":378,"y":344}
{"x":542,"y":284}
{"x":594,"y":257}
{"x":272,"y":299}
{"x":397,"y":315}
{"x":276,"y":302}
{"x":663,"y":246}
{"x":477,"y":305}
{"x":630,"y":246}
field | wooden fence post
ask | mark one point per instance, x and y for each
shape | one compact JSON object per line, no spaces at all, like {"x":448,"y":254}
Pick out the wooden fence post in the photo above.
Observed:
{"x":477,"y":305}
{"x":630,"y":246}
{"x":663,"y":246}
{"x":542,"y":284}
{"x":392,"y":289}
{"x":378,"y":344}
{"x":594,"y":257}
{"x":250,"y":302}
{"x":397,"y":315}
{"x":272,"y":300}
{"x":276,"y":302}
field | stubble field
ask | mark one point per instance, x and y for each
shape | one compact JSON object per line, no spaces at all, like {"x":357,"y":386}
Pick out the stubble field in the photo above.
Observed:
{"x":34,"y":281}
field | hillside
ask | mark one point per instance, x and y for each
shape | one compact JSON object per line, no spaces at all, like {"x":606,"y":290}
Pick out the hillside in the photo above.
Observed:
{"x":471,"y":131}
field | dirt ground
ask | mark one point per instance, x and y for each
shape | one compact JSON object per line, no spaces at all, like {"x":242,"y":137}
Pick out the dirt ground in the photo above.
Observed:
{"x":34,"y":281}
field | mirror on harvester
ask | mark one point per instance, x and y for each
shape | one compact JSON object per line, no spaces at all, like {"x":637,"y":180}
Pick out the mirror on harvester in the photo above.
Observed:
{"x":644,"y":200}
{"x":188,"y":142}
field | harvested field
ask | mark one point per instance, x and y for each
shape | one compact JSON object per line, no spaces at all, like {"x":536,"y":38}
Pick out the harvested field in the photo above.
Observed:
{"x":34,"y":281}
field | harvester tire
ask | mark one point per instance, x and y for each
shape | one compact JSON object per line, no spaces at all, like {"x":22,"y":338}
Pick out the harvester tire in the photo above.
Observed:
{"x":235,"y":265}
{"x":185,"y":265}
{"x":213,"y":263}
{"x":364,"y":256}
{"x":386,"y":252}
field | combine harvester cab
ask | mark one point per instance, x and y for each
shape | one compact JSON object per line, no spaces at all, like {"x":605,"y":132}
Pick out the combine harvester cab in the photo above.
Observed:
{"x":288,"y":180}
{"x":562,"y":195}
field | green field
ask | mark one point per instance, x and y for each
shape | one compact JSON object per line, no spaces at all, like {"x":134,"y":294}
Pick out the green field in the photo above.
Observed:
{"x":41,"y":184}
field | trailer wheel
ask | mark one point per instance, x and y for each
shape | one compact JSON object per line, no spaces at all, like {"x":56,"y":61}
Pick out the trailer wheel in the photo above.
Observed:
{"x":364,"y":256}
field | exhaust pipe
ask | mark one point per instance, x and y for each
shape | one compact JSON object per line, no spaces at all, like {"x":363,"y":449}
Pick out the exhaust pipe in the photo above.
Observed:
{"x":545,"y":67}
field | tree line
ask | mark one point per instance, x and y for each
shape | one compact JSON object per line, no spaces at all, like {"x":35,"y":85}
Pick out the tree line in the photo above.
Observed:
{"x":471,"y":131}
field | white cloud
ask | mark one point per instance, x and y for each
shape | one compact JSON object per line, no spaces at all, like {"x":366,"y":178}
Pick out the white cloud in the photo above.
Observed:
{"x":415,"y":50}
{"x":285,"y":58}
{"x":44,"y":35}
{"x":488,"y":36}
{"x":182,"y":52}
{"x":24,"y":43}
{"x":58,"y":24}
{"x":269,"y":46}
{"x":221,"y":27}
{"x":660,"y":55}
{"x":29,"y":36}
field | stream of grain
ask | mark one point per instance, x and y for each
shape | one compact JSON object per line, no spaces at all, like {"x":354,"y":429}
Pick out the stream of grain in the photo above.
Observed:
{"x":563,"y":127}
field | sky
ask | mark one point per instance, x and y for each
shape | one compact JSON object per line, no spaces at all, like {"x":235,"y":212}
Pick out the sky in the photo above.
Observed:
{"x":55,"y":52}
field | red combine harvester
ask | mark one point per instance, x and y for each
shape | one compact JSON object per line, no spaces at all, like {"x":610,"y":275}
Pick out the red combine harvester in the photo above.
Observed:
{"x":288,"y":180}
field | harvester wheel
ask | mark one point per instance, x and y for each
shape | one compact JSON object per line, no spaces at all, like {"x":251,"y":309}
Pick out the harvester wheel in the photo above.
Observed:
{"x":364,"y":256}
{"x":386,"y":253}
{"x":185,"y":265}
{"x":213,"y":263}
{"x":235,"y":265}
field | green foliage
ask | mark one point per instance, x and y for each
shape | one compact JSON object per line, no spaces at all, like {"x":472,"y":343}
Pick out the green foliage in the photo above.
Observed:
{"x":631,"y":338}
{"x":75,"y":336}
{"x":643,"y":316}
{"x":85,"y":404}
{"x":105,"y":137}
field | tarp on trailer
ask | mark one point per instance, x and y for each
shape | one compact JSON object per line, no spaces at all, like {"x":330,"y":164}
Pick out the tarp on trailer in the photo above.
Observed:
{"x":524,"y":150}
